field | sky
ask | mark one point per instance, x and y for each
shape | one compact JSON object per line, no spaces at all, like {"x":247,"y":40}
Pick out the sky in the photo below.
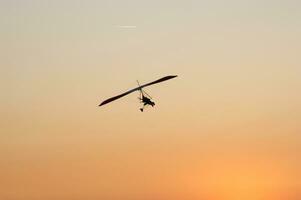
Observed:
{"x":227,"y":128}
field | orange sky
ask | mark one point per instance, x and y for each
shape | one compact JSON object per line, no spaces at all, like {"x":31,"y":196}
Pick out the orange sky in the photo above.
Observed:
{"x":228,"y":128}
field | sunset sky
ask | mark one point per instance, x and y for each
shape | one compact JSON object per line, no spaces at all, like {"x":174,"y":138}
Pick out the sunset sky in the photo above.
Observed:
{"x":228,"y":128}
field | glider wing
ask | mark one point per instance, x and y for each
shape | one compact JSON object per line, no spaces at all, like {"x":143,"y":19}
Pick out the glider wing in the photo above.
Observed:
{"x":117,"y":97}
{"x":158,"y":81}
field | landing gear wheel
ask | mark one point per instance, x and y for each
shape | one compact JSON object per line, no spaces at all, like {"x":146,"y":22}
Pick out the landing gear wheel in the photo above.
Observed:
{"x":141,"y":109}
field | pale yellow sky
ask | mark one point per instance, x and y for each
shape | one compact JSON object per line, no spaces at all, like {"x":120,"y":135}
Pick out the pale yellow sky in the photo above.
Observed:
{"x":227,"y":128}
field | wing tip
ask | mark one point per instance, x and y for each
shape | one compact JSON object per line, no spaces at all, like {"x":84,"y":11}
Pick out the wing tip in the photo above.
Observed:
{"x":172,"y":76}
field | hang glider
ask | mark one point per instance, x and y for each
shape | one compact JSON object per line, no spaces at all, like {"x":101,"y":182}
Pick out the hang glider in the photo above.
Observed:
{"x":143,"y":95}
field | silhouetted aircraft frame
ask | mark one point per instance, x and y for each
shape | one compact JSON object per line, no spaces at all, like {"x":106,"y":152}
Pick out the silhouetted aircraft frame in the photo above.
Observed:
{"x":145,"y":99}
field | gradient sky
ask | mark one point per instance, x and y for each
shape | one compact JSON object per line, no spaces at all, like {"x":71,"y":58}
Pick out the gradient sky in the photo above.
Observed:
{"x":228,"y":128}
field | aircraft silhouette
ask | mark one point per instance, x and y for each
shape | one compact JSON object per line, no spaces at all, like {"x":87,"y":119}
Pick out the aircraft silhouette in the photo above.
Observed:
{"x":145,"y":99}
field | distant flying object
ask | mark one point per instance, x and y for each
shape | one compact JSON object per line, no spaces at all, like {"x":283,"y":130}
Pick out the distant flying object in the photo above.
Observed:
{"x":144,"y":98}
